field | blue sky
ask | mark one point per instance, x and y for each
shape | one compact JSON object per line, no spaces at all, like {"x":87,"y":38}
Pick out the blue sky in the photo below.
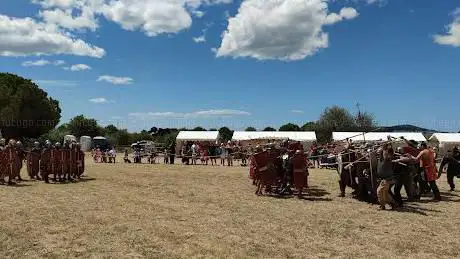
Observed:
{"x":168,"y":63}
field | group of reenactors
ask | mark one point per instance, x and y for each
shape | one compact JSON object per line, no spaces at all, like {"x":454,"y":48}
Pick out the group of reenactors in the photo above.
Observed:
{"x":375,"y":171}
{"x":59,"y":162}
{"x":279,"y":169}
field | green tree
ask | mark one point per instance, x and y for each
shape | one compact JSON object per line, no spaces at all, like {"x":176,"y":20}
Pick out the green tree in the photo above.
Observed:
{"x":110,"y":129}
{"x":365,"y":122}
{"x":55,"y":135}
{"x":250,"y":129}
{"x":289,"y":127}
{"x":213,"y":129}
{"x":82,"y":126}
{"x":309,"y":126}
{"x":225,"y":134}
{"x":198,"y":129}
{"x":269,"y":129}
{"x":26,"y":111}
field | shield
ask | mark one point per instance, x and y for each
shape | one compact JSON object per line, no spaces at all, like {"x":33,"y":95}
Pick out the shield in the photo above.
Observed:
{"x":33,"y":163}
{"x":300,"y":171}
{"x":339,"y":164}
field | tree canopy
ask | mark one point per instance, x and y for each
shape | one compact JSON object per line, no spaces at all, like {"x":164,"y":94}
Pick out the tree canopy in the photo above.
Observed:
{"x":269,"y":129}
{"x":26,"y":111}
{"x":289,"y":127}
{"x":82,"y":126}
{"x":225,"y":133}
{"x":250,"y":129}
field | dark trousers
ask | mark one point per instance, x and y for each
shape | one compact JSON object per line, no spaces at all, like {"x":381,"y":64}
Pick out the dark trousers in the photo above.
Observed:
{"x":450,"y":180}
{"x":171,"y":159}
{"x":408,"y":186}
{"x":434,"y":188}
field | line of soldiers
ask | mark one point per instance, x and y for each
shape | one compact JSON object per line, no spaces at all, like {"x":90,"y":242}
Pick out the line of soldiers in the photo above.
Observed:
{"x":64,"y":163}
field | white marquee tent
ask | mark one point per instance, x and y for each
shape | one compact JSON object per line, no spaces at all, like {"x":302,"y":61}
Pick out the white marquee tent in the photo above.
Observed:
{"x":376,"y":136}
{"x":198,"y":136}
{"x":445,"y":141}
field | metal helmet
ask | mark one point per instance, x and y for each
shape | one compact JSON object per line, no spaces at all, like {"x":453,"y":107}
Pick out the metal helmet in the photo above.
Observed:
{"x":12,"y":143}
{"x":2,"y":141}
{"x":57,"y":144}
{"x":19,"y":143}
{"x":36,"y":144}
{"x":48,"y":143}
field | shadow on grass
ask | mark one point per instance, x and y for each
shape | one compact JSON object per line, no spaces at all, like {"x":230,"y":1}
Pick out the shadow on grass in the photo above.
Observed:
{"x":16,"y":185}
{"x":410,"y":208}
{"x":75,"y":181}
{"x":313,"y":193}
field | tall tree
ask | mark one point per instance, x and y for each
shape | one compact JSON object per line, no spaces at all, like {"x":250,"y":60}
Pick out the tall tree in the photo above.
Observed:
{"x":225,"y":134}
{"x":110,"y":129}
{"x":250,"y":129}
{"x":269,"y":129}
{"x":26,"y":111}
{"x":289,"y":127}
{"x":82,"y":126}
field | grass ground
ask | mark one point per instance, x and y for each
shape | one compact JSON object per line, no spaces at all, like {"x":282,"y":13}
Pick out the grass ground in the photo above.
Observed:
{"x":146,"y":211}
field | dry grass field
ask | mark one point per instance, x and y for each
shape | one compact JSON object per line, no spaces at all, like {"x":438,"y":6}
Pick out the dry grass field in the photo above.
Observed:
{"x":151,"y":211}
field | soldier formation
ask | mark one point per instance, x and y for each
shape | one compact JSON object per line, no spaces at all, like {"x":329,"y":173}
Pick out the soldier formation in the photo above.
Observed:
{"x":63,"y":163}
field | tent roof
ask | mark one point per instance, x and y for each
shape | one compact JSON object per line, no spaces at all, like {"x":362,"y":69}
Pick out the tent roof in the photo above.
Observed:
{"x":446,"y":137}
{"x":294,"y":135}
{"x":198,"y":135}
{"x":375,"y":136}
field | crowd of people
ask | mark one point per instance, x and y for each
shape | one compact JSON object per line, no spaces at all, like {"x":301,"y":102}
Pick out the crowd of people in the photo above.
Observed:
{"x":63,"y":162}
{"x":104,"y":156}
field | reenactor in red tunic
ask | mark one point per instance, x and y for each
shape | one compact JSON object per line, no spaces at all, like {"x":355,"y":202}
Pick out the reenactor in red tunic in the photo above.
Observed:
{"x":46,"y":163}
{"x":73,"y":160}
{"x":33,"y":162}
{"x":3,"y":161}
{"x":56,"y":160}
{"x":18,"y":160}
{"x":80,"y":161}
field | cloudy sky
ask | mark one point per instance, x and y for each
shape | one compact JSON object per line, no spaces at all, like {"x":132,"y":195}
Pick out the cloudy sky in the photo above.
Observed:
{"x":175,"y":63}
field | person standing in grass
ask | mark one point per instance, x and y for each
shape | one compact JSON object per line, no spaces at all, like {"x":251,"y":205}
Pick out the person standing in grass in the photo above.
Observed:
{"x":386,"y":173}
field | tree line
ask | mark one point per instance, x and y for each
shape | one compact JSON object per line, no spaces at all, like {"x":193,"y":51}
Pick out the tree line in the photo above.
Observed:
{"x":27,"y":112}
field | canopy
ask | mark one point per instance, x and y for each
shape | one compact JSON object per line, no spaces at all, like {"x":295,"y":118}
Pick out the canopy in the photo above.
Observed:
{"x":376,"y":136}
{"x":446,"y":137}
{"x":303,"y":136}
{"x":198,"y":136}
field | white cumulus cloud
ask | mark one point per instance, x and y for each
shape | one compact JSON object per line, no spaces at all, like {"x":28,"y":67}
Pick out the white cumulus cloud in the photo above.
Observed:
{"x":452,"y":36}
{"x":78,"y":67}
{"x":42,"y":62}
{"x":26,"y":36}
{"x":65,"y":19}
{"x":99,"y":100}
{"x":116,"y":80}
{"x":345,"y":13}
{"x":278,"y":29}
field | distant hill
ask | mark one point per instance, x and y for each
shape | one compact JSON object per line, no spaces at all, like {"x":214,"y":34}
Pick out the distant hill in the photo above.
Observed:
{"x":406,"y":128}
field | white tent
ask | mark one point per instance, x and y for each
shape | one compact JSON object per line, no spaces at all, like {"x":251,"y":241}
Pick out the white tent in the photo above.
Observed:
{"x":376,"y":136}
{"x":246,"y":137}
{"x":445,"y":141}
{"x":198,"y":136}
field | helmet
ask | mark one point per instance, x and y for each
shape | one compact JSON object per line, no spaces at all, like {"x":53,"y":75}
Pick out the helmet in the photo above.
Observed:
{"x":48,"y":143}
{"x":12,"y":142}
{"x":2,"y":141}
{"x":57,"y":144}
{"x":37,"y":144}
{"x":18,"y":143}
